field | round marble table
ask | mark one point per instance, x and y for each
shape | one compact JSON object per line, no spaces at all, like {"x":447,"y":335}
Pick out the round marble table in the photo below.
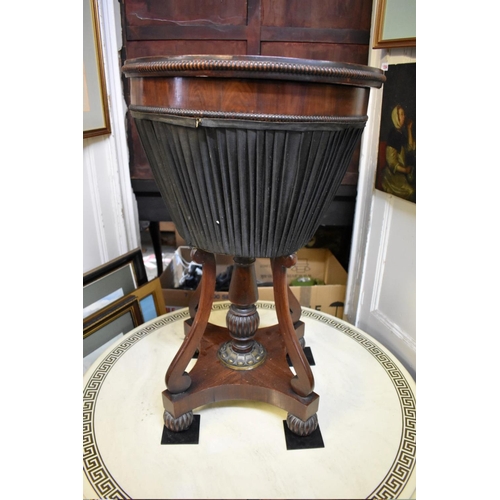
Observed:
{"x":367,"y":420}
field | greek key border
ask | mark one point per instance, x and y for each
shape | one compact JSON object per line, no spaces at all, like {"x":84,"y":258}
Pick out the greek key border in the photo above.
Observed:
{"x":98,"y":475}
{"x":404,"y":463}
{"x":390,"y":487}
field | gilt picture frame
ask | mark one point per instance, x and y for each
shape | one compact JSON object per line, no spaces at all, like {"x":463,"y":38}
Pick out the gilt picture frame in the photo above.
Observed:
{"x":96,"y":119}
{"x":151,"y":301}
{"x":113,"y":280}
{"x":109,"y":324}
{"x":395,"y":24}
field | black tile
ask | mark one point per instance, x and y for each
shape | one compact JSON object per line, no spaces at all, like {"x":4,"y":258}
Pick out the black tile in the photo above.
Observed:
{"x":309,"y":356}
{"x":294,"y":442}
{"x":189,"y":436}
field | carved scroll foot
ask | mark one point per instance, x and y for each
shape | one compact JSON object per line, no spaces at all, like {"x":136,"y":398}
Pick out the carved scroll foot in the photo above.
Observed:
{"x":301,"y":427}
{"x":178,"y":424}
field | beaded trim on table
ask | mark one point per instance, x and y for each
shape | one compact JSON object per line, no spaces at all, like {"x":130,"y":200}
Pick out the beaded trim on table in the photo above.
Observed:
{"x":231,"y":115}
{"x":321,"y":70}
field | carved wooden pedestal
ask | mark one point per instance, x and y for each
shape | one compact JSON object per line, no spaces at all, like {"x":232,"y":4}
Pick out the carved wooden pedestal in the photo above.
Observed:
{"x":248,"y":152}
{"x":253,"y":364}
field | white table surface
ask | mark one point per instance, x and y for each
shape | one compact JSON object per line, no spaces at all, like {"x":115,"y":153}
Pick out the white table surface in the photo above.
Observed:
{"x":367,"y":418}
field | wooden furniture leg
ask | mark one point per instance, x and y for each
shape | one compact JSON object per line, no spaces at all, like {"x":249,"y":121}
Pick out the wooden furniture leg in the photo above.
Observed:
{"x":242,"y":361}
{"x":295,"y":312}
{"x":176,"y":379}
{"x":303,"y":382}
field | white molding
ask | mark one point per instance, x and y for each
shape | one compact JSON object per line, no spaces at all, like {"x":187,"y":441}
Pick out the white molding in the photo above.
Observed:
{"x":95,"y":205}
{"x":364,"y":199}
{"x":395,"y":329}
{"x":382,"y":253}
{"x":128,"y":229}
{"x":377,"y":314}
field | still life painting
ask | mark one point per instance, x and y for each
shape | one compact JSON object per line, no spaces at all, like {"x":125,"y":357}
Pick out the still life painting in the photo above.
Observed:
{"x":396,"y":168}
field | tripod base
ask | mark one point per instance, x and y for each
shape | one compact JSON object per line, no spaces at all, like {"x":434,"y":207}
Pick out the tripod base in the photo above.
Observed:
{"x":269,"y":383}
{"x":253,"y":365}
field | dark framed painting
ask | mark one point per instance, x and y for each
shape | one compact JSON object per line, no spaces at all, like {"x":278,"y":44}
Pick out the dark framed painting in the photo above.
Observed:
{"x":397,"y":151}
{"x":395,"y":24}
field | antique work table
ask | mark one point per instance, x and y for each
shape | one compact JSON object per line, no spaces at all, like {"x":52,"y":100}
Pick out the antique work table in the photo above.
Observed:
{"x":248,"y":152}
{"x":367,"y":418}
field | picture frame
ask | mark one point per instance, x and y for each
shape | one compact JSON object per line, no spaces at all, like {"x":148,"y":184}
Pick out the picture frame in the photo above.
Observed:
{"x":107,"y":325}
{"x":397,"y":146}
{"x":113,"y":280}
{"x":96,"y":119}
{"x":124,"y":305}
{"x":395,"y":24}
{"x":150,"y":298}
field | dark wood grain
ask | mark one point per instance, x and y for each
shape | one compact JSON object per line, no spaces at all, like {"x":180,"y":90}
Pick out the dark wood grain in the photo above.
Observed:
{"x":317,"y":14}
{"x":250,"y":96}
{"x":303,"y":382}
{"x":186,"y":13}
{"x":270,"y":383}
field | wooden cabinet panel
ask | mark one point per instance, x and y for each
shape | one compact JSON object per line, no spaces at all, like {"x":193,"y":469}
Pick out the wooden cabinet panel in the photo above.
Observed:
{"x":182,"y":47}
{"x":317,"y":14}
{"x":185,"y":12}
{"x":357,"y":54}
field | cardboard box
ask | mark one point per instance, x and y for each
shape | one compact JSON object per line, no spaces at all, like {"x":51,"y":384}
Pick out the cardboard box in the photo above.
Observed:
{"x":318,"y":263}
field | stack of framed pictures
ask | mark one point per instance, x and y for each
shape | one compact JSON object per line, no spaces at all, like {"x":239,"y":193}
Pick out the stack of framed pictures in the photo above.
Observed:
{"x":117,"y":297}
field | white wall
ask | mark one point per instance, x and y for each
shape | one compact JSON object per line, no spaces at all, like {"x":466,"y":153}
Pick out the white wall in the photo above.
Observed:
{"x":110,"y":226}
{"x":387,"y":308}
{"x":381,"y":290}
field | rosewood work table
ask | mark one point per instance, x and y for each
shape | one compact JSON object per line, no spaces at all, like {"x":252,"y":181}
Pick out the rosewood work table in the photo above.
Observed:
{"x":248,"y":153}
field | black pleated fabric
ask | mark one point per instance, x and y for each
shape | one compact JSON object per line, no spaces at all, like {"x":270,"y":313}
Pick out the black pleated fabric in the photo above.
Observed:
{"x":247,"y":192}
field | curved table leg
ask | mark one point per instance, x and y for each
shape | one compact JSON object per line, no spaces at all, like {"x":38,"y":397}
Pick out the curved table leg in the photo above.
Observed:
{"x":295,"y":309}
{"x":176,"y":379}
{"x":303,"y":382}
{"x":295,"y":312}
